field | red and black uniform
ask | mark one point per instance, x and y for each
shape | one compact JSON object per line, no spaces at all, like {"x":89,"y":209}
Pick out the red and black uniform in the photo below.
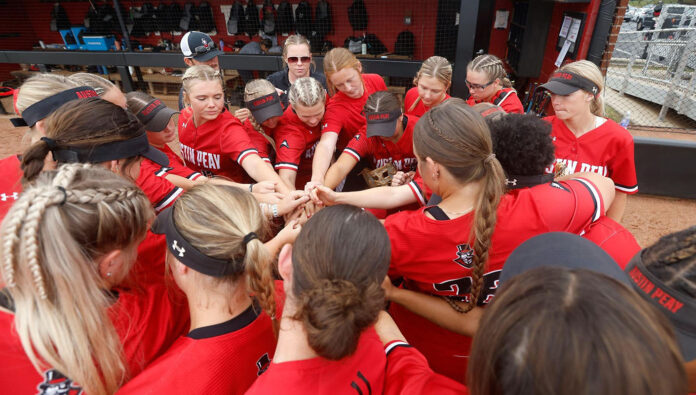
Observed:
{"x":408,"y":373}
{"x":360,"y":373}
{"x":344,"y":115}
{"x":157,"y":188}
{"x":217,"y":147}
{"x":419,"y":189}
{"x":147,"y":322}
{"x":177,"y":166}
{"x":10,"y":183}
{"x":435,"y":257}
{"x":614,"y":239}
{"x":605,"y":150}
{"x":505,"y":98}
{"x":420,"y":108}
{"x":261,"y":143}
{"x":224,"y":358}
{"x":295,"y":145}
{"x":382,"y":151}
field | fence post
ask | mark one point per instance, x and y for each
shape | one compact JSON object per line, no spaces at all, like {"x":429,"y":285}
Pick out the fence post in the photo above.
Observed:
{"x":627,"y":76}
{"x":690,"y":46}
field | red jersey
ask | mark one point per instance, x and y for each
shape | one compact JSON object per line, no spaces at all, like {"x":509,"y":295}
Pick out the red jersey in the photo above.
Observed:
{"x":614,"y":239}
{"x":177,"y":166}
{"x":505,"y":98}
{"x":295,"y":145}
{"x":217,"y":147}
{"x":444,"y":266}
{"x":147,"y":323}
{"x":344,"y":116}
{"x":382,"y":151}
{"x":408,"y":373}
{"x":420,"y":108}
{"x":10,"y":183}
{"x":149,"y":267}
{"x":261,"y":143}
{"x":157,"y":188}
{"x":360,"y":373}
{"x":605,"y":150}
{"x":224,"y":358}
{"x":419,"y":189}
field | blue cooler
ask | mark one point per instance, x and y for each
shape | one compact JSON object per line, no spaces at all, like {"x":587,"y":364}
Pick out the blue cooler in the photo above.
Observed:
{"x":77,"y":32}
{"x":99,"y":43}
{"x":69,"y":39}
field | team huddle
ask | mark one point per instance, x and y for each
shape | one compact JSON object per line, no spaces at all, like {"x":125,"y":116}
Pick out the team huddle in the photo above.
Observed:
{"x":328,"y":238}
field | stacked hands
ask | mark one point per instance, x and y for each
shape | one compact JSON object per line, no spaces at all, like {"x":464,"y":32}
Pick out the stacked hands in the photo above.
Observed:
{"x":322,"y":195}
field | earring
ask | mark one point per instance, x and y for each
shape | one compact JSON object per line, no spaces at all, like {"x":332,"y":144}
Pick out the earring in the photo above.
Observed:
{"x":108,"y":274}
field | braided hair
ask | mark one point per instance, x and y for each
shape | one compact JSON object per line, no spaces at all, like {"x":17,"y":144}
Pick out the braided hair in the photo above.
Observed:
{"x":492,"y":66}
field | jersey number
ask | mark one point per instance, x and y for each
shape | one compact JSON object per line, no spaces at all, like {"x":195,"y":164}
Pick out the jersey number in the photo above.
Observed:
{"x":462,"y":286}
{"x":361,"y":384}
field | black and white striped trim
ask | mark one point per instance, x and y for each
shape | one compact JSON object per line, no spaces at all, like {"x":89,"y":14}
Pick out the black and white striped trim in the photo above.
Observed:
{"x":194,"y":175}
{"x":596,"y":197}
{"x":353,"y":153}
{"x":167,"y":200}
{"x":393,"y":345}
{"x":626,"y":189}
{"x":246,"y":153}
{"x":286,"y":165}
{"x":417,"y":192}
{"x":163,"y":170}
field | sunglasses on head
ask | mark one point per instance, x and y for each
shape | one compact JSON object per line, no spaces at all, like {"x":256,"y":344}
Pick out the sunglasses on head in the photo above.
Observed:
{"x":304,"y":59}
{"x":204,"y":49}
{"x":477,"y":86}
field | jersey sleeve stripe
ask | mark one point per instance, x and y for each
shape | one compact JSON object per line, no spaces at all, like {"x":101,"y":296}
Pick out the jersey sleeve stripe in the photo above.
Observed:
{"x":194,"y":175}
{"x":352,"y":153}
{"x":596,"y":198}
{"x":167,"y":200}
{"x":162,"y":171}
{"x":286,"y":165}
{"x":266,"y":159}
{"x":626,"y":189}
{"x":417,"y":192}
{"x":394,"y":344}
{"x":246,"y":153}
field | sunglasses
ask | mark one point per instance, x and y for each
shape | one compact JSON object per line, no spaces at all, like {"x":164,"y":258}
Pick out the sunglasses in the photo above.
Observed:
{"x":204,"y":49}
{"x":477,"y":87}
{"x":304,"y":59}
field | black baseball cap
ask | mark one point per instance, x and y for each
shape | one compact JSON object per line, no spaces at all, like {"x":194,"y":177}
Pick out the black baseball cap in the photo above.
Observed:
{"x":561,"y":249}
{"x":265,"y":107}
{"x":106,"y":152}
{"x":155,"y":115}
{"x":199,"y":46}
{"x":382,"y":123}
{"x":564,"y":83}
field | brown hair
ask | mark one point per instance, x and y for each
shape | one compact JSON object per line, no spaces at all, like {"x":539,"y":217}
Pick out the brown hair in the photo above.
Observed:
{"x":339,"y":261}
{"x":215,"y":219}
{"x":336,"y":60}
{"x":80,"y":123}
{"x":554,"y":330}
{"x":492,"y":67}
{"x":455,"y":136}
{"x":382,"y":101}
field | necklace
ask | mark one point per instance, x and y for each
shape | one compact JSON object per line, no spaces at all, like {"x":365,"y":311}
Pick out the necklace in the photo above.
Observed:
{"x":458,"y":213}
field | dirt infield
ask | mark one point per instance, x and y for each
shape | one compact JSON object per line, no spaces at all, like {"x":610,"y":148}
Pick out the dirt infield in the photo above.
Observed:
{"x":647,"y":217}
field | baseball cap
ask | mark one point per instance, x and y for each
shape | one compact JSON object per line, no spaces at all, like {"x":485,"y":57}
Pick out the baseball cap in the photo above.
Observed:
{"x":564,"y":83}
{"x":155,"y":116}
{"x":679,"y":308}
{"x":561,"y":249}
{"x":199,"y":46}
{"x":187,"y":254}
{"x":43,"y":108}
{"x":382,"y":123}
{"x":106,"y":152}
{"x":265,"y":107}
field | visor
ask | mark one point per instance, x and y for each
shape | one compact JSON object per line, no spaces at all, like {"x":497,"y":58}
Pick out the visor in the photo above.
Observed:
{"x":43,"y":108}
{"x":106,"y":152}
{"x":564,"y":83}
{"x":382,"y":124}
{"x":265,"y":107}
{"x":185,"y":253}
{"x":680,"y":309}
{"x":155,"y":116}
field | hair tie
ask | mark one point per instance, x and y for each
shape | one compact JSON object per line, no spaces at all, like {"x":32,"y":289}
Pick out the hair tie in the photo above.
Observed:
{"x":52,"y":144}
{"x":249,"y":237}
{"x":65,"y":195}
{"x":489,"y":158}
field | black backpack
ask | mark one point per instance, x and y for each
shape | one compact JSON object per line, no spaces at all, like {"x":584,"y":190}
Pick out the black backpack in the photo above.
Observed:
{"x":59,"y":18}
{"x":357,"y":15}
{"x":285,"y":23}
{"x":252,"y":22}
{"x":234,"y":23}
{"x":204,"y":17}
{"x":269,"y":18}
{"x":374,"y":45}
{"x":322,"y":19}
{"x":404,"y":44}
{"x":303,"y":19}
{"x":186,"y":17}
{"x":173,"y":15}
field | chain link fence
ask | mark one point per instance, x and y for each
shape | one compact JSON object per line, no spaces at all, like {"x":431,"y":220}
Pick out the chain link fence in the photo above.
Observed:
{"x":650,"y":81}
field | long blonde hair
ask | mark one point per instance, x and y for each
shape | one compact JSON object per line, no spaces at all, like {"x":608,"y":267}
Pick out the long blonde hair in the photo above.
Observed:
{"x":52,"y":240}
{"x":37,"y":88}
{"x":435,"y":67}
{"x":492,"y":67}
{"x":589,"y":70}
{"x":100,"y":84}
{"x":255,"y":89}
{"x":336,"y":60}
{"x":214,"y":219}
{"x":199,"y":72}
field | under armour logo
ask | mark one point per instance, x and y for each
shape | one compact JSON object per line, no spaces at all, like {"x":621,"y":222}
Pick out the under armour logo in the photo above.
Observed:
{"x":324,"y":125}
{"x":5,"y":196}
{"x":180,"y":250}
{"x":285,"y":144}
{"x":183,"y":124}
{"x":512,"y":182}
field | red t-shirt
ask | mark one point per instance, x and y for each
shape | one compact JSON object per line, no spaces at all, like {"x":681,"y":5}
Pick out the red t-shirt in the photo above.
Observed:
{"x":157,"y":188}
{"x":420,"y":108}
{"x":408,"y":373}
{"x":295,"y":145}
{"x":363,"y":372}
{"x":444,"y":266}
{"x":344,"y":115}
{"x":177,"y":166}
{"x":505,"y":98}
{"x":383,"y":151}
{"x":614,"y":239}
{"x":147,"y":322}
{"x":419,"y":189}
{"x":224,"y":358}
{"x":217,"y":147}
{"x":10,"y":183}
{"x":262,"y":145}
{"x":605,"y":150}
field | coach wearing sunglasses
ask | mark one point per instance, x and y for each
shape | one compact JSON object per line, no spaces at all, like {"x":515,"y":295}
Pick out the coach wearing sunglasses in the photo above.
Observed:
{"x":298,"y":58}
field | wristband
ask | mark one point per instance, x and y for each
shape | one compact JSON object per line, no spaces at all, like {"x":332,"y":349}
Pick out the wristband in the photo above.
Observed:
{"x":274,"y":209}
{"x":251,"y":186}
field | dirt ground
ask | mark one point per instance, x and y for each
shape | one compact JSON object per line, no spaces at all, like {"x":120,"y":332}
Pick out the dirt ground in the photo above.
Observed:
{"x":647,"y":217}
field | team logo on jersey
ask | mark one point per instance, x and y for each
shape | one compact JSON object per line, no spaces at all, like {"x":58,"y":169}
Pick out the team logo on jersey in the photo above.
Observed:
{"x":357,"y":137}
{"x":5,"y":197}
{"x":465,"y":256}
{"x":180,"y":250}
{"x":285,"y":144}
{"x":55,"y":383}
{"x":262,"y":364}
{"x":324,"y":125}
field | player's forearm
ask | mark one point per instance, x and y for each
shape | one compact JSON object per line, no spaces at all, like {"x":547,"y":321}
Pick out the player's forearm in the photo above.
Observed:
{"x":321,"y":161}
{"x":618,"y":206}
{"x":384,"y":198}
{"x":338,"y":171}
{"x":289,"y":177}
{"x":260,"y":170}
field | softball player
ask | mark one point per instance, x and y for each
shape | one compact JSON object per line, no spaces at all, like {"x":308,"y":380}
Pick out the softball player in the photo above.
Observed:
{"x":432,"y":82}
{"x":265,"y":108}
{"x":487,"y":82}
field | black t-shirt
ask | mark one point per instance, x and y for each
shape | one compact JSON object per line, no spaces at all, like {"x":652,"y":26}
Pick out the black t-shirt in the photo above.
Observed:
{"x":280,"y":80}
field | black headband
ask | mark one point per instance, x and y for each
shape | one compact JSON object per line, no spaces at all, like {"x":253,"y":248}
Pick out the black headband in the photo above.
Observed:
{"x":517,"y":182}
{"x":187,"y":254}
{"x":575,"y":80}
{"x":100,"y":153}
{"x":45,"y":107}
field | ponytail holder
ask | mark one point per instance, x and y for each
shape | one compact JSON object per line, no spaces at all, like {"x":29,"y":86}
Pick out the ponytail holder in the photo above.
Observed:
{"x":249,"y":237}
{"x":50,"y":143}
{"x":489,"y":158}
{"x":65,"y":195}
